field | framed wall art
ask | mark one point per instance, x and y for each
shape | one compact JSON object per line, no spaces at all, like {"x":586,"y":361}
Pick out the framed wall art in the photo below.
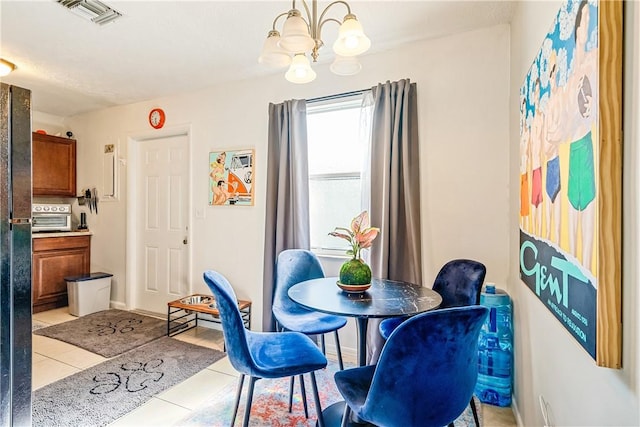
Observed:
{"x":570,"y":175}
{"x":231,"y":175}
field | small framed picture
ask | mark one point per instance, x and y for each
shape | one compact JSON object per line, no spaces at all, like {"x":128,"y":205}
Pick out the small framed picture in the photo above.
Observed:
{"x":231,"y":175}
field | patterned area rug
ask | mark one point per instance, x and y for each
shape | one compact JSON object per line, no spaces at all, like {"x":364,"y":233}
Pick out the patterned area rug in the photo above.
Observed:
{"x":271,"y":402}
{"x":109,"y":332}
{"x":105,"y":392}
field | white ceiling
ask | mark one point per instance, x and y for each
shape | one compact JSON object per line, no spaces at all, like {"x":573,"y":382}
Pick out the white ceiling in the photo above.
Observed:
{"x":160,"y":48}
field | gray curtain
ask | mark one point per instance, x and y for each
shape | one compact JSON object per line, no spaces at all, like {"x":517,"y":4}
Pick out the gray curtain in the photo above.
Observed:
{"x":287,"y":203}
{"x":395,"y":195}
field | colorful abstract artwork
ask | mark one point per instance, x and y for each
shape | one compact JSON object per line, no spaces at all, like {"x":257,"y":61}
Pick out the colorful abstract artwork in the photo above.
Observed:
{"x":570,"y":175}
{"x":231,"y":175}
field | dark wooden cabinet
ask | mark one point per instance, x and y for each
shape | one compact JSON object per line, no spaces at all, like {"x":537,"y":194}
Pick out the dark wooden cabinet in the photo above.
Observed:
{"x":55,"y":258}
{"x":54,"y":166}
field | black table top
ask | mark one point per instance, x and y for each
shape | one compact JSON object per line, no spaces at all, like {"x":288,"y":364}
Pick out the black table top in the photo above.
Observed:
{"x":385,"y":298}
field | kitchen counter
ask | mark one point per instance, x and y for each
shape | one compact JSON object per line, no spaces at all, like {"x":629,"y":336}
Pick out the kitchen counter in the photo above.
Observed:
{"x":61,"y":234}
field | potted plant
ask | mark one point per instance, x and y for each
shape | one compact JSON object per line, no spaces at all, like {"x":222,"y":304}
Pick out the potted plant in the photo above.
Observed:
{"x":355,"y":274}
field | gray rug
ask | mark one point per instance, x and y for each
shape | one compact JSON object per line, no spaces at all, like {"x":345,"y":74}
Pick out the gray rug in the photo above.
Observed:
{"x":109,"y":332}
{"x":105,"y":392}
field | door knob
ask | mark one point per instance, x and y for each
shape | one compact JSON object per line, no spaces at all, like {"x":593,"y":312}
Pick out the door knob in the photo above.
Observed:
{"x":184,"y":241}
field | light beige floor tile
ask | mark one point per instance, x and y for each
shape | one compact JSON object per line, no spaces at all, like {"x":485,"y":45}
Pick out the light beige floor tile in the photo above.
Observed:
{"x":214,"y":334}
{"x":203,"y":333}
{"x":187,"y":337}
{"x":495,"y":416}
{"x":35,"y":357}
{"x":79,"y":358}
{"x":49,"y":347}
{"x":54,"y":316}
{"x":196,"y":390}
{"x":155,"y":412}
{"x":224,"y":366}
{"x":204,"y":337}
{"x":48,"y":371}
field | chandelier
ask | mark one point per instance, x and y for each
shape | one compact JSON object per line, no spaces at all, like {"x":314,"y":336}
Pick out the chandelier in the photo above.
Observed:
{"x":301,"y":37}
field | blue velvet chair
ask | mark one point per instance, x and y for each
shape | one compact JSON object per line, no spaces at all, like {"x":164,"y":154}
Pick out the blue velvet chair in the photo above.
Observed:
{"x":262,"y":354}
{"x":459,"y":283}
{"x":294,"y":266}
{"x":426,"y":373}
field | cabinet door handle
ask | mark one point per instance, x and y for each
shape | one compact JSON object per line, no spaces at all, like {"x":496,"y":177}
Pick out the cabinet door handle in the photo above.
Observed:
{"x":184,"y":241}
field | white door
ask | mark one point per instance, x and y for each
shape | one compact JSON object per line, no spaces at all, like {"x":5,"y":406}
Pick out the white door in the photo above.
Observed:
{"x":162,"y":201}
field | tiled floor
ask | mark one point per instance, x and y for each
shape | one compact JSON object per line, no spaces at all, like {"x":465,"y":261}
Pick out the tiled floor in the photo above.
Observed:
{"x":53,"y":360}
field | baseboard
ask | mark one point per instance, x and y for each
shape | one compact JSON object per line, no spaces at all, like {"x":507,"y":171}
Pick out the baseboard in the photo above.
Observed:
{"x":117,"y":305}
{"x":516,"y":413}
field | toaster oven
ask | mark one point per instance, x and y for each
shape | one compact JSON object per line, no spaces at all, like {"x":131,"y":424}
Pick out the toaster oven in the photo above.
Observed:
{"x":51,"y":217}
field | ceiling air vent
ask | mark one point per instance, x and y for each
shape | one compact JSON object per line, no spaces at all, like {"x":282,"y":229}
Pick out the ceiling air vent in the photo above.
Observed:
{"x":92,"y":10}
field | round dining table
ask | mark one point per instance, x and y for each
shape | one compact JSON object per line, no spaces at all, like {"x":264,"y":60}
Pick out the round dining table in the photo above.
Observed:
{"x":385,"y":298}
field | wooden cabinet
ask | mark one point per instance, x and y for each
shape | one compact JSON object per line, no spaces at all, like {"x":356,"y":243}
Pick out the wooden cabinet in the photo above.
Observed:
{"x":55,"y":258}
{"x":54,"y":166}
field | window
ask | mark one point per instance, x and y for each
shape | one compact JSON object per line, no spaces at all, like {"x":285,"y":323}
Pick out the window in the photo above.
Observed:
{"x":337,"y":151}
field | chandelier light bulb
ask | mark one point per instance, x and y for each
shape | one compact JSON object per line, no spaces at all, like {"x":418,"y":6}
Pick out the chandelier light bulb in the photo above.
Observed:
{"x":351,"y":39}
{"x":300,"y":70}
{"x":351,"y":42}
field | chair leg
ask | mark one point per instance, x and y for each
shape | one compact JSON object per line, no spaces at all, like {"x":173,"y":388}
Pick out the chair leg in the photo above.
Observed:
{"x":237,"y":403}
{"x":304,"y":397}
{"x":345,"y":415}
{"x":338,"y":350}
{"x":322,"y":344}
{"x":475,"y":412}
{"x":247,"y":411}
{"x":292,"y":380}
{"x":316,"y":399}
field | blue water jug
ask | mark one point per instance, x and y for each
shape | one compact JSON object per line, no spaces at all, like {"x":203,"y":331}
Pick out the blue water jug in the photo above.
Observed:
{"x":495,"y":349}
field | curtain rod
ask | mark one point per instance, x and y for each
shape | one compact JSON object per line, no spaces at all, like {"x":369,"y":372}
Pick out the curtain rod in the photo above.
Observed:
{"x":338,"y":96}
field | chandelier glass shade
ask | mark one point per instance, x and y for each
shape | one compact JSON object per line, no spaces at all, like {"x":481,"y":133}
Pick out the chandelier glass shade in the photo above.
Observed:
{"x":6,"y":67}
{"x":272,"y":54}
{"x":345,"y":65}
{"x":301,"y":37}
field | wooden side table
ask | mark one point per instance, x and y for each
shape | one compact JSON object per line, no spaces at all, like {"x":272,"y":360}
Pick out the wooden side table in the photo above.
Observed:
{"x":183,"y":314}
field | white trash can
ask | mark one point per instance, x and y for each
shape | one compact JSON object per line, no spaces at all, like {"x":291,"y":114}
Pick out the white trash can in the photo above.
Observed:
{"x":88,"y":293}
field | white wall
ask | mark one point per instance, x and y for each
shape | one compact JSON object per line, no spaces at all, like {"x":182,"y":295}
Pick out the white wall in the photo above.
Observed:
{"x":548,"y":360}
{"x":463,"y":111}
{"x":53,"y":125}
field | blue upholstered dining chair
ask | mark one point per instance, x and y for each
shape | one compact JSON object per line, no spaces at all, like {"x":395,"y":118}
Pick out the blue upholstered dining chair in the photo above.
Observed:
{"x":294,"y":266}
{"x":262,"y":354}
{"x":459,"y":283}
{"x":426,"y":373}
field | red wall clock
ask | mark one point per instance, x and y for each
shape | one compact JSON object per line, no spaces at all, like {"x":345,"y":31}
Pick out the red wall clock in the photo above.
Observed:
{"x":156,"y":118}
